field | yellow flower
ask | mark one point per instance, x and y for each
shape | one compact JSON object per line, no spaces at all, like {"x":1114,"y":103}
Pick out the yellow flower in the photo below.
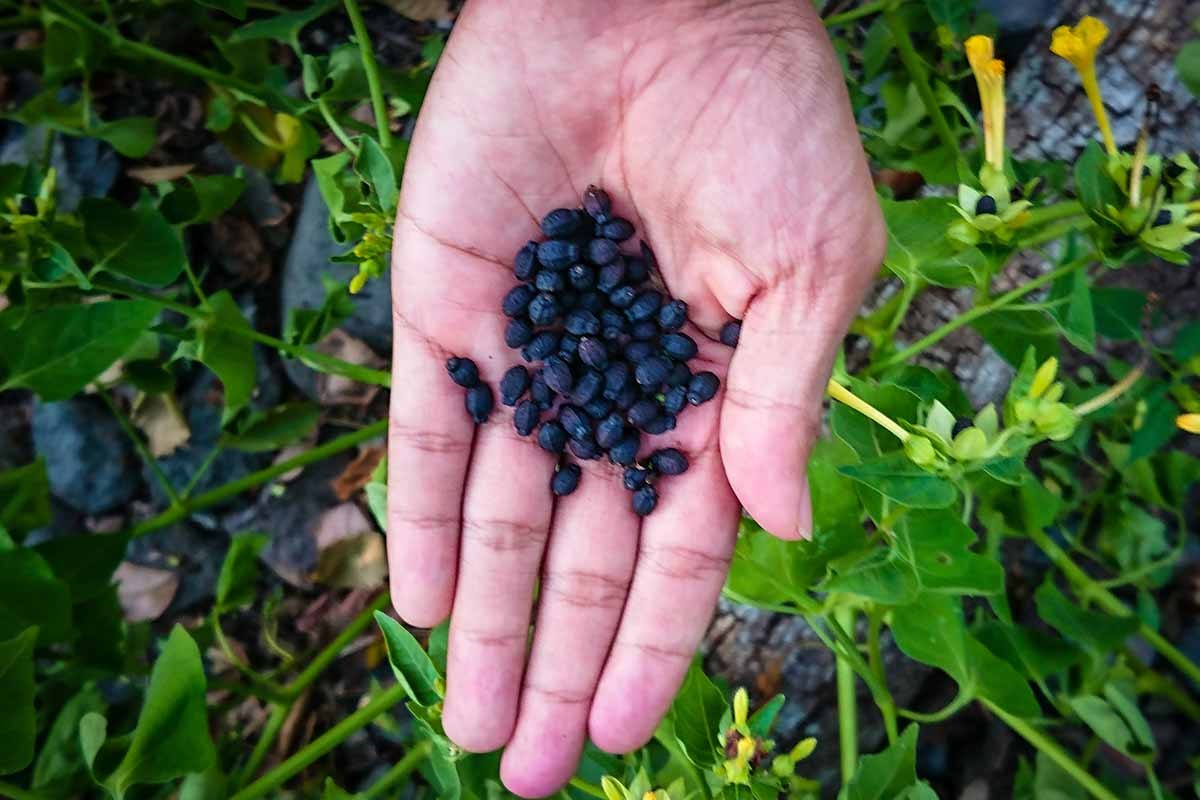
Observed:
{"x":1043,"y":378}
{"x":1079,"y":45}
{"x":741,"y":707}
{"x":1188,"y":422}
{"x":989,"y":74}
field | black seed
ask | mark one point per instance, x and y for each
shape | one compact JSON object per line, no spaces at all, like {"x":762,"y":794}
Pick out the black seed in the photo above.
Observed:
{"x":517,"y":299}
{"x":644,"y":331}
{"x":551,"y":437}
{"x":637,"y":352}
{"x":960,"y":425}
{"x":513,"y":385}
{"x":668,"y":461}
{"x":611,"y":276}
{"x":550,"y":282}
{"x":610,"y":430}
{"x":625,"y":451}
{"x":591,"y":301}
{"x":587,"y":388}
{"x":702,"y":388}
{"x":480,"y":402}
{"x":581,"y":276}
{"x":1163,"y":218}
{"x":584,"y":449}
{"x":575,"y":422}
{"x":593,"y":352}
{"x":672,"y":316}
{"x":543,"y":309}
{"x":622,"y":296}
{"x":558,"y":375}
{"x":635,"y":478}
{"x":651,"y":372}
{"x":642,"y":412}
{"x":628,"y":395}
{"x":602,"y":251}
{"x":610,"y":318}
{"x":660,"y":425}
{"x":597,"y":204}
{"x":27,"y":206}
{"x":568,"y":347}
{"x":526,"y":262}
{"x":542,"y":346}
{"x":518,"y":333}
{"x":637,"y":271}
{"x":986,"y":205}
{"x":679,"y":345}
{"x":557,"y":254}
{"x":680,"y":375}
{"x":526,"y":417}
{"x":644,"y":306}
{"x":675,"y":399}
{"x":598,"y":408}
{"x":539,"y":392}
{"x":582,"y":323}
{"x":560,"y":223}
{"x":731,"y":332}
{"x":565,"y":480}
{"x":644,"y":501}
{"x":567,"y":299}
{"x":615,"y":379}
{"x":463,"y":372}
{"x":616,"y":229}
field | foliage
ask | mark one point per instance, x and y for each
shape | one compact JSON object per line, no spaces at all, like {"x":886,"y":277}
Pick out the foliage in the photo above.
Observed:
{"x":919,"y":499}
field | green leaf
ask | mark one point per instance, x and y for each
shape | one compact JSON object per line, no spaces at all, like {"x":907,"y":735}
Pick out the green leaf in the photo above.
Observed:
{"x":1011,"y":332}
{"x":412,"y":666}
{"x":212,"y":784}
{"x":31,"y":595}
{"x":377,"y":172}
{"x":24,"y":498}
{"x":171,"y":738}
{"x":149,"y":376}
{"x":266,"y":431}
{"x":1158,"y":424}
{"x":1119,"y":312}
{"x":60,"y":349}
{"x":866,"y":438}
{"x":132,"y":137}
{"x":284,"y":27}
{"x":1075,"y":315}
{"x":440,"y":769}
{"x":60,"y":763}
{"x":694,"y":717}
{"x":897,"y":478}
{"x":334,"y":792}
{"x":234,"y":8}
{"x":1104,"y":721}
{"x":85,"y":562}
{"x":763,"y":719}
{"x":1121,"y":697}
{"x":239,"y":572}
{"x":1033,"y":651}
{"x":1097,"y":632}
{"x":227,"y":353}
{"x":937,"y":545}
{"x":918,"y":246}
{"x":58,"y":264}
{"x":877,"y":575}
{"x":201,"y":199}
{"x":93,"y":732}
{"x":18,"y":723}
{"x":1187,"y":63}
{"x":135,"y":243}
{"x":1095,"y":187}
{"x":886,"y":775}
{"x":308,"y":326}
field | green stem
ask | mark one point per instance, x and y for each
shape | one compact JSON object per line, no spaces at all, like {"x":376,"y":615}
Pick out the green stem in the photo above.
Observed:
{"x":400,"y":770}
{"x":1041,"y":215}
{"x":265,"y":689}
{"x":318,"y":747}
{"x":334,"y":649}
{"x":279,"y":714}
{"x":1089,"y":589}
{"x":847,"y":703}
{"x":1052,"y":233}
{"x":875,"y":660}
{"x":374,"y":85}
{"x":972,"y":314}
{"x":17,"y":793}
{"x":336,"y":127}
{"x":126,"y":425}
{"x":201,"y":471}
{"x":230,"y":490}
{"x":1152,"y":681}
{"x":961,"y":701}
{"x":1054,"y":752}
{"x":854,"y":14}
{"x":589,"y":789}
{"x":920,"y":77}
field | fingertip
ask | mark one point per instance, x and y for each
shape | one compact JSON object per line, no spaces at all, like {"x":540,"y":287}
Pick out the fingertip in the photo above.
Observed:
{"x":474,"y":734}
{"x":418,"y":610}
{"x":535,"y":768}
{"x":617,"y":728}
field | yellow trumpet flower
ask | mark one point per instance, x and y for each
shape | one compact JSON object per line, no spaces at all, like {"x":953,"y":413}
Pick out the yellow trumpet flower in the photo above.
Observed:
{"x":1188,"y":422}
{"x":1079,"y":45}
{"x":989,"y":74}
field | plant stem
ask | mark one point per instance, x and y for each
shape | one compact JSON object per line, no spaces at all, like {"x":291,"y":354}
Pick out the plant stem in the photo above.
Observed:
{"x":230,"y":490}
{"x":202,"y":470}
{"x":972,"y":314}
{"x":318,"y":747}
{"x":151,"y":462}
{"x":374,"y":85}
{"x":587,"y":788}
{"x":847,"y":703}
{"x":336,"y":127}
{"x":17,"y":793}
{"x":266,"y":689}
{"x":332,"y":650}
{"x":1045,"y":214}
{"x":1054,"y":752}
{"x":1089,"y":589}
{"x":961,"y":701}
{"x":875,"y":660}
{"x":279,"y":714}
{"x":865,"y":10}
{"x":1112,"y":393}
{"x":920,"y":78}
{"x":847,"y":397}
{"x":400,"y":770}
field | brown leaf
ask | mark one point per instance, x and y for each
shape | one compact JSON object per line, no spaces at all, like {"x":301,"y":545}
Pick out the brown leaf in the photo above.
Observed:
{"x":422,"y":10}
{"x":350,"y":553}
{"x":333,"y":390}
{"x":158,"y":416}
{"x":153,"y":175}
{"x":357,"y":473}
{"x":144,"y":592}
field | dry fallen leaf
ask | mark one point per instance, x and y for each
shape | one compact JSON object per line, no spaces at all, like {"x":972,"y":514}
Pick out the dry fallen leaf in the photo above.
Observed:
{"x":333,"y":390}
{"x":357,"y":473}
{"x":350,"y":553}
{"x":153,"y":175}
{"x":422,"y":10}
{"x":158,"y":416}
{"x":287,"y":454}
{"x":144,"y":592}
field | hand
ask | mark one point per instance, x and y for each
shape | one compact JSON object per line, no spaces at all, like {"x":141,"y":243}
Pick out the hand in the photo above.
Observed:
{"x":722,"y":130}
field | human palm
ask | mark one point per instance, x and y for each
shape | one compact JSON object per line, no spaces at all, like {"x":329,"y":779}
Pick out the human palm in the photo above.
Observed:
{"x":721,"y":129}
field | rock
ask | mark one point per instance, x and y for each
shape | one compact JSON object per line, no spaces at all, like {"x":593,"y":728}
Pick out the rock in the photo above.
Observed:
{"x":308,"y":258}
{"x":92,"y":465}
{"x":85,"y":167}
{"x":191,"y":554}
{"x":1018,"y":16}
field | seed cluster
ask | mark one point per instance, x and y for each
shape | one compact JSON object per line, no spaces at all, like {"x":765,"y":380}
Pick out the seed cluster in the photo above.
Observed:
{"x":608,"y":360}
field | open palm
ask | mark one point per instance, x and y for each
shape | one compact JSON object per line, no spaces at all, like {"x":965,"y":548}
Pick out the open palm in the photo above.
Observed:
{"x":722,"y":131}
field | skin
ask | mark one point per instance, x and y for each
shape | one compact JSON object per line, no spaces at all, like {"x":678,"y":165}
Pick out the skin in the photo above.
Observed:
{"x":722,"y":130}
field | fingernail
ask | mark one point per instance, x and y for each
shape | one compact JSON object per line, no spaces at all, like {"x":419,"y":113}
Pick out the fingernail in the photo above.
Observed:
{"x":804,"y":525}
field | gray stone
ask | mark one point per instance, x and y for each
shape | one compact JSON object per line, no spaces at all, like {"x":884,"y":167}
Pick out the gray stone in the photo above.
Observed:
{"x":85,"y":167}
{"x":91,"y":464}
{"x":1018,"y":16}
{"x":308,"y":258}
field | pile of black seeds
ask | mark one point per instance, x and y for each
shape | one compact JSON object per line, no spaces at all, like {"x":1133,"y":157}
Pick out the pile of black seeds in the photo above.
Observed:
{"x":608,"y":357}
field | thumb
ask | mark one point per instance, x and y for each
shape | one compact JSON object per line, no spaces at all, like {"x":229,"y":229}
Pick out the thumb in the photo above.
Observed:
{"x":773,"y":398}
